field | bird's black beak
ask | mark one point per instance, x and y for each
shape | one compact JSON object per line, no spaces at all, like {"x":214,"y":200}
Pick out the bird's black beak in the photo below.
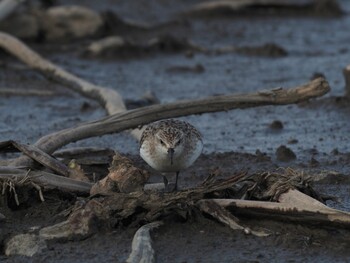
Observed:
{"x":171,"y":155}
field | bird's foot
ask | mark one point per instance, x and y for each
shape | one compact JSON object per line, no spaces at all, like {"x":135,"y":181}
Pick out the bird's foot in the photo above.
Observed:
{"x":169,"y":187}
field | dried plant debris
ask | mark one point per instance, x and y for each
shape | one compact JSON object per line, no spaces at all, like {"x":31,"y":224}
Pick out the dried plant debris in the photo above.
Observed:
{"x":284,"y":194}
{"x":327,"y":8}
{"x":285,"y":154}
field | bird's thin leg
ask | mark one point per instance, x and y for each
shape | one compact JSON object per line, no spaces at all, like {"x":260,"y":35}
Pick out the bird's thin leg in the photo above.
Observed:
{"x":176,"y":178}
{"x":165,"y":180}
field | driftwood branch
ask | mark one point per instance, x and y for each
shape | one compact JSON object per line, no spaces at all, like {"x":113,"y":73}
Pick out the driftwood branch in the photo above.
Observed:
{"x":108,"y":98}
{"x":38,"y":155}
{"x":134,"y":118}
{"x":142,"y":250}
{"x":293,"y":205}
{"x":45,"y":179}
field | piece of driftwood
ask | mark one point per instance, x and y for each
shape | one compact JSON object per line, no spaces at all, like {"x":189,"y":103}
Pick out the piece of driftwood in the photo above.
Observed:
{"x":116,"y":46}
{"x":108,"y":98}
{"x":134,"y":118}
{"x":123,"y":177}
{"x":293,"y":205}
{"x":141,"y":247}
{"x":44,"y":179}
{"x":266,"y":7}
{"x":38,"y":155}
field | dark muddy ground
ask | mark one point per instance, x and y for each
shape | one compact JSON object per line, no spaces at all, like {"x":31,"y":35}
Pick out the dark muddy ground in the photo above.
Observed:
{"x":317,"y":131}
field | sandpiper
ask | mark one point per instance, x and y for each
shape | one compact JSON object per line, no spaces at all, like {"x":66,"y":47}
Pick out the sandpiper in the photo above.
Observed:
{"x":170,"y":146}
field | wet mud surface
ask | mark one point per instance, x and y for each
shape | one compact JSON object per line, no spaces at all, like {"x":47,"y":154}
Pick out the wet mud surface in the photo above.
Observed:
{"x":311,"y":136}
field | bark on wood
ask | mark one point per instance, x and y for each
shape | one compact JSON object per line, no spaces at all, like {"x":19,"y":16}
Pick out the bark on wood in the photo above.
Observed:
{"x":293,"y":205}
{"x":134,"y":118}
{"x":142,"y":250}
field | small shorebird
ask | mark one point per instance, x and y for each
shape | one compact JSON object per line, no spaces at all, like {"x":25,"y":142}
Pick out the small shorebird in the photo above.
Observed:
{"x":170,"y":146}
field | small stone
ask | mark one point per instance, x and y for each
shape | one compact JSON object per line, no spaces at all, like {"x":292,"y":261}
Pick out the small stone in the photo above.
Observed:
{"x":314,"y":162}
{"x":2,"y":217}
{"x":284,"y":154}
{"x":276,"y":125}
{"x":293,"y":141}
{"x":25,"y":245}
{"x":317,"y":75}
{"x":262,"y":157}
{"x":335,"y":151}
{"x":69,"y":22}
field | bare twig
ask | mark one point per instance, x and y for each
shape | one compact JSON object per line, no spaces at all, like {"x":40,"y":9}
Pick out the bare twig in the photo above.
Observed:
{"x":134,"y":118}
{"x":142,"y":250}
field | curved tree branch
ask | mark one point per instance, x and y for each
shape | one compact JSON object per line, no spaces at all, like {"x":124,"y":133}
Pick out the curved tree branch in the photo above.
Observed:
{"x":108,"y":98}
{"x":134,"y":118}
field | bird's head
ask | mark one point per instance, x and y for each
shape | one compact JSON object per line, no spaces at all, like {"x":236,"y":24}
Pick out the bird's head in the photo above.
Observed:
{"x":170,"y":142}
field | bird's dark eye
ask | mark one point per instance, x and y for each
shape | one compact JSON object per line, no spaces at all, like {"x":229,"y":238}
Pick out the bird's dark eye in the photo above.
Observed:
{"x":178,"y":142}
{"x":161,"y":142}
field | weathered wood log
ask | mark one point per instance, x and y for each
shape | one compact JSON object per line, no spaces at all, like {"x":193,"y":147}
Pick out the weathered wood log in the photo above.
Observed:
{"x":134,"y":118}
